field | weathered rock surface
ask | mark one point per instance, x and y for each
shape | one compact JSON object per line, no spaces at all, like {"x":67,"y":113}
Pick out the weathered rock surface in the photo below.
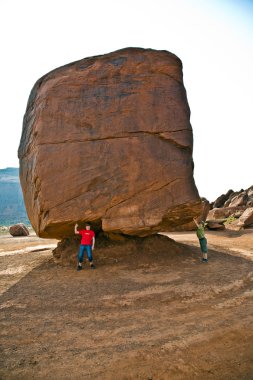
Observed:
{"x":234,"y":198}
{"x":246,"y":219}
{"x":233,"y":205}
{"x":19,"y":230}
{"x":222,"y":199}
{"x":224,"y":212}
{"x":191,"y":226}
{"x":239,"y":200}
{"x":108,"y":140}
{"x":215,"y":226}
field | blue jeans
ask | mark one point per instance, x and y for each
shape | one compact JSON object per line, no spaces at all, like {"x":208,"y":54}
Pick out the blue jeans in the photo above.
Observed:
{"x":81,"y":253}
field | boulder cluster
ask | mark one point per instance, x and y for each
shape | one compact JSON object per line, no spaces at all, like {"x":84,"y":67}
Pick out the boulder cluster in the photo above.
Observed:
{"x":233,"y":210}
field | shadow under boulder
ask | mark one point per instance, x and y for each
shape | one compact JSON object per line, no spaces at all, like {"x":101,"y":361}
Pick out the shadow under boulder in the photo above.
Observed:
{"x":66,"y":251}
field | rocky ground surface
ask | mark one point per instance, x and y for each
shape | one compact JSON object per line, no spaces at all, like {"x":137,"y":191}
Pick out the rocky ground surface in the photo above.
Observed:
{"x":136,"y":316}
{"x":232,"y":211}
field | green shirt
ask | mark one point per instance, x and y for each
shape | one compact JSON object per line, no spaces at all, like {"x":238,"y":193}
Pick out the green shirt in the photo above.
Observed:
{"x":200,"y":232}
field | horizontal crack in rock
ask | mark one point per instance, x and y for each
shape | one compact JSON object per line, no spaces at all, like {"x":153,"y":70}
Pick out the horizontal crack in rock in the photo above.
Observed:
{"x":129,"y":135}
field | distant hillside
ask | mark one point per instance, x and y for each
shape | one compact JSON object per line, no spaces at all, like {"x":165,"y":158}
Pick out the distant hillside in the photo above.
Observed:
{"x":12,"y":208}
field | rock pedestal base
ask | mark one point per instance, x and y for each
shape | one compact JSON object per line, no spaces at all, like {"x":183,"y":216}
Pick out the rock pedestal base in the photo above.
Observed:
{"x":67,"y":250}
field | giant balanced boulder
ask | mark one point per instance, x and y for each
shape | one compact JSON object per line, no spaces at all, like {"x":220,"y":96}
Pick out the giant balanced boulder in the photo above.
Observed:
{"x":108,"y":140}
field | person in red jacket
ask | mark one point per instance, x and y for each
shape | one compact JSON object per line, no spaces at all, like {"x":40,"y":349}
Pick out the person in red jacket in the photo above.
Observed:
{"x":87,"y":243}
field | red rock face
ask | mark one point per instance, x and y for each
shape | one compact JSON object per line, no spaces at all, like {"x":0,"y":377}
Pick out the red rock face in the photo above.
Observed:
{"x":108,"y":140}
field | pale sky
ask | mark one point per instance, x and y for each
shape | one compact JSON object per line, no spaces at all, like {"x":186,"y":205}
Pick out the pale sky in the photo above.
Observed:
{"x":213,"y":38}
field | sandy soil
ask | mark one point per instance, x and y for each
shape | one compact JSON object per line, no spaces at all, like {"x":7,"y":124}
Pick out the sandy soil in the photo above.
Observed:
{"x":136,"y":316}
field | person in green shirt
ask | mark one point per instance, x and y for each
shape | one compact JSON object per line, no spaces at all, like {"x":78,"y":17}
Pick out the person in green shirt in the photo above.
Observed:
{"x":202,"y":239}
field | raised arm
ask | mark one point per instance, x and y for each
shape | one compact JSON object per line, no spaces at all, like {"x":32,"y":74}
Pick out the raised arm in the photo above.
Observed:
{"x":76,"y":230}
{"x":196,"y":221}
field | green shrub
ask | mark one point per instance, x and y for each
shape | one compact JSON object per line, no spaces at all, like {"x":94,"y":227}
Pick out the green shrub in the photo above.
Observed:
{"x":229,"y":220}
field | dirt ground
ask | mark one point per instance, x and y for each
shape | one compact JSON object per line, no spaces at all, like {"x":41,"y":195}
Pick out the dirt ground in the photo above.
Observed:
{"x":152,"y":315}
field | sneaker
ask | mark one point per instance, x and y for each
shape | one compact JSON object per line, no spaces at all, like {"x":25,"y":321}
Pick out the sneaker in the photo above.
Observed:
{"x":204,"y":261}
{"x":79,"y":267}
{"x":92,"y":266}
